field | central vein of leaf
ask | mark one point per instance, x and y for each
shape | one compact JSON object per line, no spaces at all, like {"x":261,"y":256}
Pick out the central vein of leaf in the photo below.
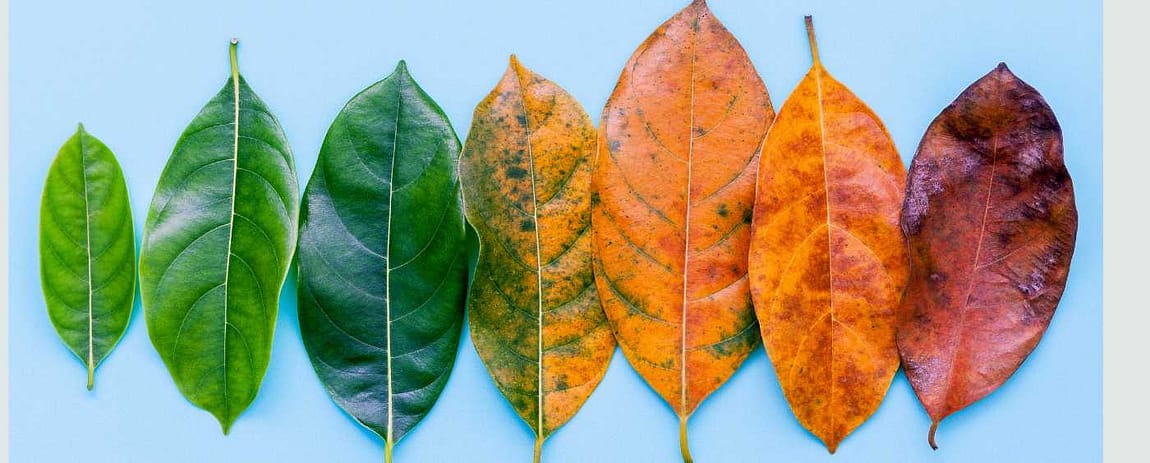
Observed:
{"x":687,"y":238}
{"x":956,"y":343}
{"x":387,"y":275}
{"x":538,"y":258}
{"x":88,"y":249}
{"x":231,"y":218}
{"x":818,"y":71}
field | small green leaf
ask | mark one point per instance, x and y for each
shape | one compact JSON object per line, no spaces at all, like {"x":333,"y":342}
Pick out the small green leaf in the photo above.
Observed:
{"x":383,"y":257}
{"x":217,"y":246}
{"x":87,"y":249}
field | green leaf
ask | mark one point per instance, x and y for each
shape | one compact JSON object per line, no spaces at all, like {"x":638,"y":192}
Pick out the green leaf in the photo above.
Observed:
{"x":87,"y":249}
{"x":217,"y":246}
{"x":383,"y":257}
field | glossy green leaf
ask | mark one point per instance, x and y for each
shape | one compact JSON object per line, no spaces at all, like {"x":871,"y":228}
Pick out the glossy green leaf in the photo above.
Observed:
{"x":383,"y":257}
{"x":217,"y":246}
{"x":87,"y":249}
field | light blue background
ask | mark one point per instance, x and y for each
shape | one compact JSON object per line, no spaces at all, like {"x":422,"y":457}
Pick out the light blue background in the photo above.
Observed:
{"x":136,"y":72}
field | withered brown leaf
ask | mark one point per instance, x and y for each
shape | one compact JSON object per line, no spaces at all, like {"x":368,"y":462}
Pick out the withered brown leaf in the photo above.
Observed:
{"x":991,"y":222}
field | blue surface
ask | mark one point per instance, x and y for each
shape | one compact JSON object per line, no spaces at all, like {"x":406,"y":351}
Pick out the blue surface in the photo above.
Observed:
{"x":136,"y":72}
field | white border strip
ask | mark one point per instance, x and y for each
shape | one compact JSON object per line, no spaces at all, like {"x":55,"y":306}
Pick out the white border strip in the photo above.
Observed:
{"x":1125,"y":317}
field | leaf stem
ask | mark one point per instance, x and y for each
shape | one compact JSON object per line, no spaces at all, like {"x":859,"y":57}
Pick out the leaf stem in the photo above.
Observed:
{"x":387,"y":451}
{"x":538,"y":449}
{"x":683,"y":440}
{"x":930,"y":437}
{"x":234,"y":59}
{"x":91,"y":375}
{"x":811,"y":39}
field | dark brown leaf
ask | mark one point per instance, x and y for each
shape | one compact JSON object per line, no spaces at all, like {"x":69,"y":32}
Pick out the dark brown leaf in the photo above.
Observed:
{"x":990,"y":217}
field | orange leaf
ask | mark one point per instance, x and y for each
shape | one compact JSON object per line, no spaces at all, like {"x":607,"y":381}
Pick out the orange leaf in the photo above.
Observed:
{"x":675,"y":180}
{"x":535,"y":315}
{"x":828,"y":261}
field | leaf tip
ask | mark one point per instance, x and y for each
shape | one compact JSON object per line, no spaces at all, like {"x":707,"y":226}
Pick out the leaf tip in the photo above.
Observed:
{"x":698,"y":7}
{"x":80,"y":127}
{"x":1002,"y":70}
{"x":401,"y":67}
{"x":514,"y":64}
{"x":226,"y":424}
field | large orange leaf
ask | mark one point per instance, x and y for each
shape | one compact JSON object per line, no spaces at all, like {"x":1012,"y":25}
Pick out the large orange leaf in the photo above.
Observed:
{"x":675,"y":180}
{"x":991,"y":222}
{"x":828,"y":261}
{"x":535,"y":315}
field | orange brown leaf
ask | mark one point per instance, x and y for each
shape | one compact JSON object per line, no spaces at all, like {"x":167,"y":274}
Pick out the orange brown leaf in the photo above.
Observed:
{"x":828,"y":262}
{"x":991,"y":222}
{"x":675,"y":181}
{"x":535,"y":316}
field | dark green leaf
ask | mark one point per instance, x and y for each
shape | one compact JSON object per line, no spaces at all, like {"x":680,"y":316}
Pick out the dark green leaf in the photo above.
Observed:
{"x":382,"y":257}
{"x":87,"y":249}
{"x":217,"y":245}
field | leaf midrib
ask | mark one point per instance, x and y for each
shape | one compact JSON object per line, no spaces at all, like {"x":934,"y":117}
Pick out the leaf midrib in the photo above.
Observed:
{"x":231,"y":227}
{"x":538,"y":259}
{"x":88,"y":250}
{"x":387,"y":273}
{"x":683,"y":400}
{"x":956,"y":343}
{"x":818,"y":71}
